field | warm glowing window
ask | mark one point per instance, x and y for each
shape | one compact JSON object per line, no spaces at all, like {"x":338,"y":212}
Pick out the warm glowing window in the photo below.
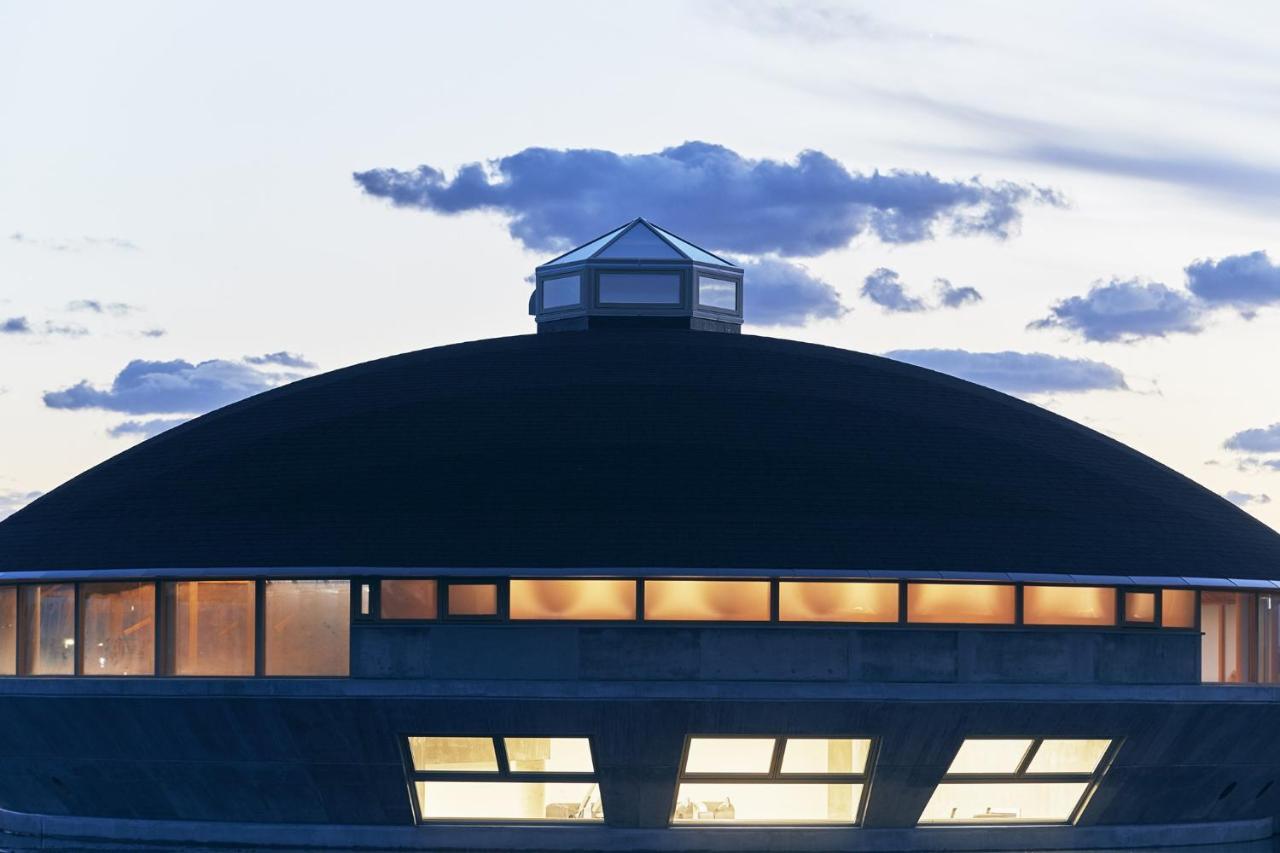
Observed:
{"x":504,"y":779}
{"x":210,"y":628}
{"x":1178,"y":608}
{"x":961,"y":603}
{"x":1017,"y":780}
{"x":118,"y":628}
{"x":1227,"y":636}
{"x":47,"y":614}
{"x":473,"y":599}
{"x":1140,"y":607}
{"x":8,"y":630}
{"x":711,"y":601}
{"x":1068,"y":605}
{"x":573,"y":599}
{"x":1268,"y":632}
{"x":408,"y":599}
{"x":772,"y":780}
{"x":308,"y":624}
{"x":837,"y":601}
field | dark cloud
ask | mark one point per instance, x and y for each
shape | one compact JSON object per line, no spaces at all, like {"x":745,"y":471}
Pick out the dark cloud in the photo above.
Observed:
{"x":145,"y":429}
{"x":1258,"y":440}
{"x":884,"y":288}
{"x":557,"y":198}
{"x":119,"y":309}
{"x":1245,"y":498}
{"x":950,"y":296}
{"x":282,"y":358}
{"x":164,"y":387}
{"x":781,"y":293}
{"x":1243,"y":282}
{"x":1126,"y":311}
{"x":12,"y":501}
{"x":15,"y":326}
{"x":1018,"y":372}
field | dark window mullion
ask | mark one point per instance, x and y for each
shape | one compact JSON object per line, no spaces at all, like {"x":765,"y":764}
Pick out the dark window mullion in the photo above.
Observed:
{"x":1028,"y":757}
{"x":500,"y":751}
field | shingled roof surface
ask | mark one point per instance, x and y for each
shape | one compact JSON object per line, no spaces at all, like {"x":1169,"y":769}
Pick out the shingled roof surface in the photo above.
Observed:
{"x":643,"y":449}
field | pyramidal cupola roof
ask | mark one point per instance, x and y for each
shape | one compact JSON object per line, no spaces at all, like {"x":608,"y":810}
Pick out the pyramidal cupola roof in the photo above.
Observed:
{"x":639,"y":240}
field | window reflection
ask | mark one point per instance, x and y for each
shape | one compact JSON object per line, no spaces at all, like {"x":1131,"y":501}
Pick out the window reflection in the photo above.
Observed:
{"x":211,"y":628}
{"x":119,"y":628}
{"x":713,"y":601}
{"x":717,"y":293}
{"x":639,"y":289}
{"x":957,"y":603}
{"x":47,"y":613}
{"x":837,"y":601}
{"x":307,"y":627}
{"x":561,"y":291}
{"x":573,"y":599}
{"x":408,"y":598}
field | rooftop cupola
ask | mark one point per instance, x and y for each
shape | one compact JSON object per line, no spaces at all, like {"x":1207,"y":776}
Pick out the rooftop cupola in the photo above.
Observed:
{"x":638,"y":275}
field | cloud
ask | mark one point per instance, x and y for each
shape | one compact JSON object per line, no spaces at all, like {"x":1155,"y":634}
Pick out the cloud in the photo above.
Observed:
{"x":12,"y":501}
{"x":1018,"y":372}
{"x":119,"y":309}
{"x":1126,"y":311}
{"x":884,"y":288}
{"x":819,"y":23}
{"x":282,"y":358}
{"x":1259,"y":440}
{"x":1243,"y":282}
{"x":153,"y":333}
{"x":169,"y":387}
{"x":781,"y":293}
{"x":75,"y":244}
{"x":15,"y":326}
{"x":950,"y":296}
{"x":68,"y":330}
{"x":146,"y":429}
{"x":1245,"y":499}
{"x":811,"y":205}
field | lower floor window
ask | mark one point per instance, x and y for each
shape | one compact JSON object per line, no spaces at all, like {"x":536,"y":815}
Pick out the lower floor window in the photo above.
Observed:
{"x":516,"y":801}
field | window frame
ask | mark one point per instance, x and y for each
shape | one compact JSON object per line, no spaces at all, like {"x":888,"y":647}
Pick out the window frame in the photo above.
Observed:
{"x":638,"y":619}
{"x":443,"y":585}
{"x":503,"y":773}
{"x":1157,"y":608}
{"x":774,"y":776}
{"x":1020,"y":776}
{"x":735,"y":311}
{"x":679,"y":270}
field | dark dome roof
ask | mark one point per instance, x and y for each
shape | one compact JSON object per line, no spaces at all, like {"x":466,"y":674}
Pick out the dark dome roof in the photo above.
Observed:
{"x":644,"y":449}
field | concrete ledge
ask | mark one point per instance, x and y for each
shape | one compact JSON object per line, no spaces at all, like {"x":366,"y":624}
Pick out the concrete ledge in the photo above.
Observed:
{"x":60,"y":832}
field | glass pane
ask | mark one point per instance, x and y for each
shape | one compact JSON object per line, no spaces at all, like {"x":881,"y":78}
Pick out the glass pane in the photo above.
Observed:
{"x":978,"y":755}
{"x":1004,"y":802}
{"x":565,"y":801}
{"x":473,"y":599}
{"x":640,"y":242}
{"x":308,"y":625}
{"x":548,"y":754}
{"x":587,"y":249}
{"x":710,"y":803}
{"x":691,"y":250}
{"x":957,"y":603}
{"x":825,"y":755}
{"x":722,"y":601}
{"x":573,"y":599}
{"x":639,"y":289}
{"x":837,"y":601}
{"x":561,"y":291}
{"x":8,"y":630}
{"x":1140,"y":607}
{"x":1225,"y":636}
{"x":365,"y":595}
{"x":1068,"y":756}
{"x":210,"y":627}
{"x":1068,"y":605}
{"x":717,"y":293}
{"x":408,"y":599}
{"x":729,"y":755}
{"x":1268,"y":638}
{"x":465,"y":754}
{"x":48,"y":628}
{"x":119,"y":628}
{"x":1179,"y":608}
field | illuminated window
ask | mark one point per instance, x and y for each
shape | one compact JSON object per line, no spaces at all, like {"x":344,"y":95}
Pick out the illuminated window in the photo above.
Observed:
{"x":472,"y":599}
{"x":1178,"y":608}
{"x":8,"y":630}
{"x":1226,"y":636}
{"x":711,"y":601}
{"x":118,"y":629}
{"x":1268,"y":669}
{"x":1140,"y":608}
{"x":961,"y":603}
{"x":837,"y":601}
{"x":210,"y":628}
{"x":408,"y":599}
{"x":504,"y":779}
{"x":1068,"y":605}
{"x":47,"y":614}
{"x":1017,"y":780}
{"x":734,"y":780}
{"x":308,"y":623}
{"x":573,"y":599}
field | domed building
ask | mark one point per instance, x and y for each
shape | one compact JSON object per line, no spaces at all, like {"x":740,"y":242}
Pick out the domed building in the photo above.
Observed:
{"x":638,"y":582}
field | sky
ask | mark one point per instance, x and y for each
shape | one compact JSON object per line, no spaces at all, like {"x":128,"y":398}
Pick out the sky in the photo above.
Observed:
{"x":1077,"y":203}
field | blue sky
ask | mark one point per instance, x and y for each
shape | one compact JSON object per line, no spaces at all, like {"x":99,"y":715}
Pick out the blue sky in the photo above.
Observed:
{"x":1078,"y":203}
